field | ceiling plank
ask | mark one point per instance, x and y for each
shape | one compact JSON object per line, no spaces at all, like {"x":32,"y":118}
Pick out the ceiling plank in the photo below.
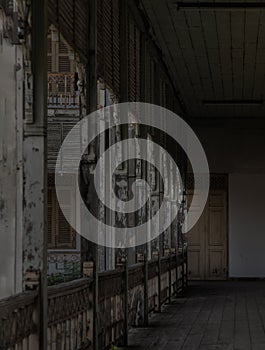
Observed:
{"x":224,"y":38}
{"x":212,"y":47}
{"x":251,"y":46}
{"x":238,"y":34}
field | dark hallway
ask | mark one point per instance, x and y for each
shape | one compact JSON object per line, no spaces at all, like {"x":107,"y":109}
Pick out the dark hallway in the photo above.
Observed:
{"x":132,"y":169}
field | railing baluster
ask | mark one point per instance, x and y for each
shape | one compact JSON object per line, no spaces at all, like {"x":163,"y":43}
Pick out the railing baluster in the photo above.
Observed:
{"x":70,"y":306}
{"x":60,"y":91}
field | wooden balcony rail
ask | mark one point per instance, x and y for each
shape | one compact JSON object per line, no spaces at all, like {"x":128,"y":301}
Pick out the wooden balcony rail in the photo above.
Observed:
{"x":61,"y":91}
{"x":70,"y":315}
{"x":112,"y":308}
{"x":18,"y":322}
{"x":70,"y":306}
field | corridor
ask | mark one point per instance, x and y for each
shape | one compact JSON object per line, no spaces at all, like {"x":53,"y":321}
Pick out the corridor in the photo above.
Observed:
{"x":132,"y":165}
{"x":213,"y":315}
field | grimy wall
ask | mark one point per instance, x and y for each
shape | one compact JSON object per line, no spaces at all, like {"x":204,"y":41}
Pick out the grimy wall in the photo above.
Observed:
{"x":10,"y":168}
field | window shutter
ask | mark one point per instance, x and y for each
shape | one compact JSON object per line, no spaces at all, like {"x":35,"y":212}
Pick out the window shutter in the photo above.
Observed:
{"x":116,"y":46}
{"x":65,"y":234}
{"x":50,"y":222}
{"x":100,"y":47}
{"x":134,"y":42}
{"x":54,"y":139}
{"x":49,"y":50}
{"x":60,"y":233}
{"x":64,"y":61}
{"x":163,"y":97}
{"x":108,"y":43}
{"x":70,"y":17}
{"x":150,"y":79}
{"x":65,"y":237}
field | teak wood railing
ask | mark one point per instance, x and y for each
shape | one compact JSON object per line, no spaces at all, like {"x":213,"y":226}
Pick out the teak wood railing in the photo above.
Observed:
{"x":126,"y":298}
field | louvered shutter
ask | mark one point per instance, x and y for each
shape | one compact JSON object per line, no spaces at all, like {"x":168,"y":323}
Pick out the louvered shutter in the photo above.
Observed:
{"x":64,"y":61}
{"x":134,"y":42}
{"x":60,"y":233}
{"x":50,"y":219}
{"x":65,"y":237}
{"x":74,"y":145}
{"x":108,"y":43}
{"x":70,"y":17}
{"x":163,"y":89}
{"x":49,"y":58}
{"x":54,"y":139}
{"x":116,"y":46}
{"x":169,"y":97}
{"x":150,"y":79}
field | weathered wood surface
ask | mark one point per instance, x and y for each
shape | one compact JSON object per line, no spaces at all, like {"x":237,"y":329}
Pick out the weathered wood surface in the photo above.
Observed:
{"x":70,"y":307}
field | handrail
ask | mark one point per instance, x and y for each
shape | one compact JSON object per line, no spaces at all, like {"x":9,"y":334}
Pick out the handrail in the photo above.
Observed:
{"x":70,"y":305}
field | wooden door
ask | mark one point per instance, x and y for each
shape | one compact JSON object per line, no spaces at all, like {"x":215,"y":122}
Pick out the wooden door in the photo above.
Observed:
{"x":207,"y":241}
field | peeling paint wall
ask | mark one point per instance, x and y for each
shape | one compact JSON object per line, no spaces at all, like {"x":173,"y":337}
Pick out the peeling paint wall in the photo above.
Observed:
{"x":11,"y":133}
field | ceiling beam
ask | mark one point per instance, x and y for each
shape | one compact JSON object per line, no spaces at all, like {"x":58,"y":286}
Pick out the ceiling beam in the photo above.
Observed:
{"x":232,"y":102}
{"x":219,"y":5}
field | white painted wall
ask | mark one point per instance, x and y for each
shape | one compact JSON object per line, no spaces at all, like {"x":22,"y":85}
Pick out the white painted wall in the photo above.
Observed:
{"x":239,"y":150}
{"x":11,"y":172}
{"x":247,"y":225}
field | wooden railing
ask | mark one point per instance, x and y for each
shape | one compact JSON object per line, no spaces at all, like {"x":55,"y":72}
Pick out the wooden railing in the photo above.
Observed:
{"x":70,"y":315}
{"x":146,"y":291}
{"x":126,"y":297}
{"x":18,"y":321}
{"x":61,"y":92}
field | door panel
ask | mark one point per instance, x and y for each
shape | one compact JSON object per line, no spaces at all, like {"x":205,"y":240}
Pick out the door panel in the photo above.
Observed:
{"x":207,"y":241}
{"x":195,"y":263}
{"x":195,"y":247}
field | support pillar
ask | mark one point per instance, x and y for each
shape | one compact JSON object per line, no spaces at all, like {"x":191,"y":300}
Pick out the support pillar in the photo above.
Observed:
{"x":92,"y":101}
{"x":35,"y":170}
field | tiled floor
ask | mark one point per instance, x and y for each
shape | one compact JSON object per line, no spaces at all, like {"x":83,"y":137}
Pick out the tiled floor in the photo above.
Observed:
{"x":217,"y":315}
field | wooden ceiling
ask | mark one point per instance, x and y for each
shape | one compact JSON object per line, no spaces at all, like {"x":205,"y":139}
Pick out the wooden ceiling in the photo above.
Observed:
{"x":215,"y":52}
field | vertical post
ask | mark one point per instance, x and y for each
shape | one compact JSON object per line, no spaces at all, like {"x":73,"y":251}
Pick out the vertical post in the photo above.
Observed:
{"x":183,"y":269}
{"x":185,"y":264}
{"x":169,"y":278}
{"x":35,"y":169}
{"x":126,"y":287}
{"x":145,"y":287}
{"x":159,"y":277}
{"x":95,"y":298}
{"x":92,"y":101}
{"x":177,"y":268}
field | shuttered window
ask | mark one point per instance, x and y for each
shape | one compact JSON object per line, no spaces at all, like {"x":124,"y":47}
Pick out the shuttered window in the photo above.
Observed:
{"x":163,"y":93}
{"x":59,"y":55}
{"x":149,"y":78}
{"x":70,"y":17}
{"x":60,"y":234}
{"x":108,"y":43}
{"x":134,"y":46}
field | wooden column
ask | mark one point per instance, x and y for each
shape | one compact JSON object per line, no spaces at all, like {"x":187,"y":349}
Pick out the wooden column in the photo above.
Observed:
{"x":126,"y":311}
{"x":159,"y":278}
{"x":169,"y":278}
{"x":145,"y":287}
